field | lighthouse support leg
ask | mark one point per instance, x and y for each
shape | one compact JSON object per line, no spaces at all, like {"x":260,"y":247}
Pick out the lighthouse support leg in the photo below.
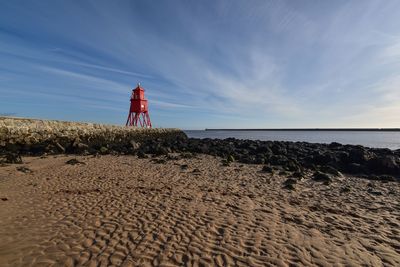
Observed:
{"x":146,"y":118}
{"x":136,"y":119}
{"x":129,"y":121}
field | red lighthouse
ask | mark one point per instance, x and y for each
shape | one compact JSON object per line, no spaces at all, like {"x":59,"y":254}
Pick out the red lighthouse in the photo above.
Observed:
{"x":138,"y":113}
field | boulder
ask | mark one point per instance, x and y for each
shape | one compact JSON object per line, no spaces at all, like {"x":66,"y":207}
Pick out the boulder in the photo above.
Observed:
{"x":290,"y":183}
{"x":267,"y":169}
{"x":141,"y":154}
{"x":322,"y":177}
{"x":278,"y":149}
{"x":335,"y":145}
{"x":75,"y":162}
{"x":360,"y":155}
{"x":386,"y":178}
{"x":230,"y":158}
{"x":387,"y":164}
{"x":134,"y":145}
{"x":356,"y":168}
{"x":298,"y":175}
{"x":24,"y":169}
{"x":278,"y":160}
{"x":13,"y":158}
{"x":330,"y":170}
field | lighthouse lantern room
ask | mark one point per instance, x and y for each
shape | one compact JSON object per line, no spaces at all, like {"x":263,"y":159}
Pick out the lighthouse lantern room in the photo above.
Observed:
{"x":138,"y":112}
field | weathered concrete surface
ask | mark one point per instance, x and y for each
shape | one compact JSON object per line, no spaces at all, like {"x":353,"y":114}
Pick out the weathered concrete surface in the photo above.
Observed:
{"x":32,"y":136}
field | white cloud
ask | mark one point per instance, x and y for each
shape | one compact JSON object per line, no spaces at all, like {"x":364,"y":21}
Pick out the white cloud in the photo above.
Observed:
{"x":93,"y":81}
{"x":277,"y":61}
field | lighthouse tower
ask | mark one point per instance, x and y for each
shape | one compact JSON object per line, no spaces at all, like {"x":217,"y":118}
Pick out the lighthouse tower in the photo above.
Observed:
{"x":138,"y":112}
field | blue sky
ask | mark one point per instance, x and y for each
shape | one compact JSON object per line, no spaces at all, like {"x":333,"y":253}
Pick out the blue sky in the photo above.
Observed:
{"x":233,"y":64}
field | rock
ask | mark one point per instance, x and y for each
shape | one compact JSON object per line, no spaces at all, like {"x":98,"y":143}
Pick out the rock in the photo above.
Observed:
{"x":141,"y":155}
{"x":4,"y":199}
{"x":172,"y":157}
{"x":187,"y":155}
{"x":134,"y":145}
{"x":160,"y":161}
{"x":184,"y":166}
{"x":278,"y":149}
{"x":289,"y":184}
{"x":290,"y":181}
{"x":264,"y":149}
{"x":252,"y":148}
{"x":321,"y":177}
{"x":81,"y":148}
{"x":356,"y":168}
{"x":103,"y":150}
{"x":388,"y":164}
{"x":298,"y":175}
{"x":59,"y":147}
{"x":373,"y":192}
{"x":230,"y":158}
{"x":259,"y":159}
{"x":292,"y":165}
{"x":345,"y":189}
{"x":196,"y":170}
{"x":289,"y":187}
{"x":282,"y":172}
{"x":335,"y":145}
{"x":13,"y":158}
{"x":278,"y":160}
{"x":24,"y":169}
{"x":248,"y":159}
{"x":330,"y":170}
{"x":267,"y":169}
{"x":321,"y":158}
{"x":162,"y":150}
{"x":387,"y":178}
{"x":75,"y":162}
{"x":360,"y":155}
{"x":225,"y":163}
{"x":204,"y":148}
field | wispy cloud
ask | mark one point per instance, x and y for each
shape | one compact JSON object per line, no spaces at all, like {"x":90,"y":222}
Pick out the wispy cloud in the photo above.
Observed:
{"x":95,"y":82}
{"x":269,"y":63}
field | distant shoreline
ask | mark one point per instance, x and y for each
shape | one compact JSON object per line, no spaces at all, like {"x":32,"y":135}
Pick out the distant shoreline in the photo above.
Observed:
{"x":316,"y":129}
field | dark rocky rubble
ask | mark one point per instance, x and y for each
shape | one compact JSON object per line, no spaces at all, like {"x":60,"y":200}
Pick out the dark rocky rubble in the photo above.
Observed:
{"x":284,"y":157}
{"x":295,"y":157}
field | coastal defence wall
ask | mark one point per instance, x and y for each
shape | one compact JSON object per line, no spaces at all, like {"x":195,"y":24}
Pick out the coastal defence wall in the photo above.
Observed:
{"x":35,"y":136}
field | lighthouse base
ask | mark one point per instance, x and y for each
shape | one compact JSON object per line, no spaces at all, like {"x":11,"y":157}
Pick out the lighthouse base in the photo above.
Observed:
{"x":141,"y":119}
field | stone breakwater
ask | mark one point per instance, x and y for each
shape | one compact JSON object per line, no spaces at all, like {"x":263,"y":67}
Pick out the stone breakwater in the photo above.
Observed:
{"x":36,"y":137}
{"x":294,"y":159}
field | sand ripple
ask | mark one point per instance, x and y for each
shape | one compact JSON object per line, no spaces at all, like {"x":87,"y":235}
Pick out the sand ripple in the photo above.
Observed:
{"x":124,"y":211}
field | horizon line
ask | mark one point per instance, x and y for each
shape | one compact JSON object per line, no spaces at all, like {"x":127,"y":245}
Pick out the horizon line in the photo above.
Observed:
{"x":309,"y":129}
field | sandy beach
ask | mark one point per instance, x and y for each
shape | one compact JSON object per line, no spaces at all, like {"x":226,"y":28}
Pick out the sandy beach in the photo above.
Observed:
{"x":200,"y":133}
{"x":177,"y":211}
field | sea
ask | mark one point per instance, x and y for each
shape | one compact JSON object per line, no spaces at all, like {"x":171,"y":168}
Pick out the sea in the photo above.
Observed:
{"x":375,"y":139}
